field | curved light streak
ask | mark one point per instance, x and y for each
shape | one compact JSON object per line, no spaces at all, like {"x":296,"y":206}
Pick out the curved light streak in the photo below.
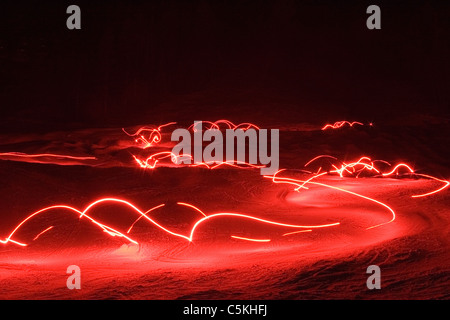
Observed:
{"x":113,"y":232}
{"x":250,"y":239}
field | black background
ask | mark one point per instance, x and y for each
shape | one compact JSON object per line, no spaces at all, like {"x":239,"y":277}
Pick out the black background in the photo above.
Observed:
{"x":276,"y":309}
{"x":136,"y":62}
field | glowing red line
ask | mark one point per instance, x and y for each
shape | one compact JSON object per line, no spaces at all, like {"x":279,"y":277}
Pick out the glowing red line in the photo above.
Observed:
{"x":447,"y":183}
{"x":40,"y":155}
{"x":344,"y":167}
{"x":352,"y":165}
{"x":213,"y":125}
{"x":105,"y":228}
{"x":134,"y":208}
{"x":112,"y":232}
{"x":340,"y":124}
{"x":13,"y":241}
{"x":256,"y":219}
{"x":295,"y":232}
{"x":318,"y":157}
{"x":192,"y":206}
{"x":147,"y":212}
{"x":228,"y":123}
{"x":383,"y":161}
{"x":396,"y":167}
{"x":236,"y":164}
{"x":165,"y":125}
{"x":175,"y":159}
{"x":365,"y":166}
{"x":138,"y":132}
{"x":153,"y":137}
{"x":49,"y":228}
{"x":298,"y":183}
{"x":307,"y":181}
{"x":251,"y":239}
{"x":249,"y":125}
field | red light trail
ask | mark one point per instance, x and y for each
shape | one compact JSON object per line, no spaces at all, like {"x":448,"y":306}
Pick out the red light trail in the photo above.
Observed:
{"x":41,"y":233}
{"x":340,"y":124}
{"x":250,"y":239}
{"x":43,"y":155}
{"x":295,"y":232}
{"x":115,"y":233}
{"x":147,"y":137}
{"x":154,"y":136}
{"x":301,"y":184}
{"x":365,"y":163}
{"x":152,"y":161}
{"x":227,"y":124}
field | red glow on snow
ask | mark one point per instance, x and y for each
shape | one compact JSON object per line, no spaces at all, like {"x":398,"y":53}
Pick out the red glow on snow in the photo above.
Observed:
{"x":147,"y":137}
{"x":353,"y":168}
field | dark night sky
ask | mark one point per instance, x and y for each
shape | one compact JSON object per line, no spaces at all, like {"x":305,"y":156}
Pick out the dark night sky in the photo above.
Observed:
{"x":146,"y":62}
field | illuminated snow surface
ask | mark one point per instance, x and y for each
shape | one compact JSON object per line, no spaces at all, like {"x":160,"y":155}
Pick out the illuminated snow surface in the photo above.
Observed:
{"x":323,"y":263}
